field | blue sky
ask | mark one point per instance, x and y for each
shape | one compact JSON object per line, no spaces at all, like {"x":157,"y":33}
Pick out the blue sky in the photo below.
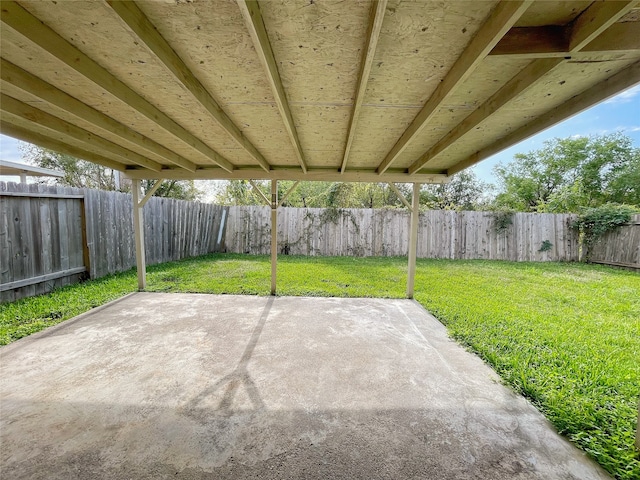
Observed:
{"x":619,"y":113}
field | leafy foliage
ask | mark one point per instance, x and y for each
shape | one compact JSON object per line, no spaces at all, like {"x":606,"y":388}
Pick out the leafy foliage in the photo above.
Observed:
{"x":593,"y":223}
{"x":464,"y":192}
{"x":546,"y":246}
{"x":502,"y":219}
{"x":569,"y":174}
{"x":82,"y":174}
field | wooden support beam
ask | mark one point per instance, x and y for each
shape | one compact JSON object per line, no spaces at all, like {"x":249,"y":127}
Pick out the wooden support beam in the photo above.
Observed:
{"x":376,"y":17}
{"x":93,"y":142}
{"x":503,"y":17}
{"x":627,"y":78}
{"x":250,"y":10}
{"x":274,"y":234}
{"x":258,"y":192}
{"x":512,"y":89}
{"x":400,"y":195}
{"x":413,"y":239}
{"x":595,"y":20}
{"x":7,"y":128}
{"x":289,"y":192}
{"x":31,"y":28}
{"x":150,"y":193}
{"x":142,"y":27}
{"x":551,"y":41}
{"x":525,"y":42}
{"x":29,"y":83}
{"x":312,"y":175}
{"x":138,"y":228}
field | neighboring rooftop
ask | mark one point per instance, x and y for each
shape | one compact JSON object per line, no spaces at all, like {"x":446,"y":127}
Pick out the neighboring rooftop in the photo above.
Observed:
{"x":14,"y":168}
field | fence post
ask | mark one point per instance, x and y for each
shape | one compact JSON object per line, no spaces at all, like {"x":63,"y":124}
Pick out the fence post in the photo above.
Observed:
{"x":413,"y":239}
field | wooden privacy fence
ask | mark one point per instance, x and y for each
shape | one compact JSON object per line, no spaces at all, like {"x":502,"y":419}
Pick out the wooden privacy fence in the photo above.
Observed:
{"x":441,"y":234}
{"x":620,"y":247}
{"x":52,"y":236}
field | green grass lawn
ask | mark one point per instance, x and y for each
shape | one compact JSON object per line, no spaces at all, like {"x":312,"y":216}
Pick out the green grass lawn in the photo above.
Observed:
{"x":567,"y":336}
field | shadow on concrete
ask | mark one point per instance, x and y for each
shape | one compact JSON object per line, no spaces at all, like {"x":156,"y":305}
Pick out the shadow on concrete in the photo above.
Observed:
{"x":240,"y":375}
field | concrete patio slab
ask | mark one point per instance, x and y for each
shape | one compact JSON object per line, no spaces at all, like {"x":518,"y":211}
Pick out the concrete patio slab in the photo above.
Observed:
{"x":189,"y":386}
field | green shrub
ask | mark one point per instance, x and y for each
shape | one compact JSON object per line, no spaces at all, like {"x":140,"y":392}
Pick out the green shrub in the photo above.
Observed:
{"x":593,"y":223}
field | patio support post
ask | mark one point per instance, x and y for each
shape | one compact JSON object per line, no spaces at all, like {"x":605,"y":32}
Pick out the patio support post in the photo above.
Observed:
{"x":413,"y":239}
{"x":274,"y":234}
{"x":138,"y":228}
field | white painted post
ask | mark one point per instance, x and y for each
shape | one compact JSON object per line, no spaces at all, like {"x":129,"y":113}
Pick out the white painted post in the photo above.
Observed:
{"x":413,"y":239}
{"x":138,"y":228}
{"x":274,"y":234}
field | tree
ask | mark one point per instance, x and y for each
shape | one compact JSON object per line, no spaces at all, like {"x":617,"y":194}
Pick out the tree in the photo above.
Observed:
{"x":82,"y":174}
{"x":464,"y":192}
{"x":77,"y":173}
{"x":571,"y":174}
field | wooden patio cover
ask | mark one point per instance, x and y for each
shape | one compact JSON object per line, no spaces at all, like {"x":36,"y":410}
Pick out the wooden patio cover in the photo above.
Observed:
{"x":405,"y":91}
{"x":331,"y":90}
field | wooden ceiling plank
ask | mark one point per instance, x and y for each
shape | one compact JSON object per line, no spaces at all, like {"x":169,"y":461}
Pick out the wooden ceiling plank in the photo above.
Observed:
{"x":621,"y":81}
{"x":551,"y":41}
{"x":376,"y":18}
{"x":503,"y":17}
{"x":28,"y":82}
{"x":6,"y":128}
{"x":253,"y":19}
{"x":512,"y":89}
{"x":595,"y":20}
{"x":32,"y":114}
{"x":31,"y":28}
{"x":619,"y":37}
{"x":147,"y":33}
{"x":313,"y":175}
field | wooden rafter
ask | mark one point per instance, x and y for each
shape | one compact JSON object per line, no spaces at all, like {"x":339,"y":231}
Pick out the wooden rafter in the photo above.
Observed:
{"x":253,"y":20}
{"x":595,"y":20}
{"x":142,"y":27}
{"x":376,"y":18}
{"x":503,"y":17}
{"x":623,"y":80}
{"x":599,"y":19}
{"x":551,"y":41}
{"x":513,"y":88}
{"x":27,"y":82}
{"x":31,"y":28}
{"x":29,"y":113}
{"x":56,"y":145}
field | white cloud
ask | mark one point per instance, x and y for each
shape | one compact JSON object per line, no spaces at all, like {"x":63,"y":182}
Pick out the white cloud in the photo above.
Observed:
{"x":625,"y":96}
